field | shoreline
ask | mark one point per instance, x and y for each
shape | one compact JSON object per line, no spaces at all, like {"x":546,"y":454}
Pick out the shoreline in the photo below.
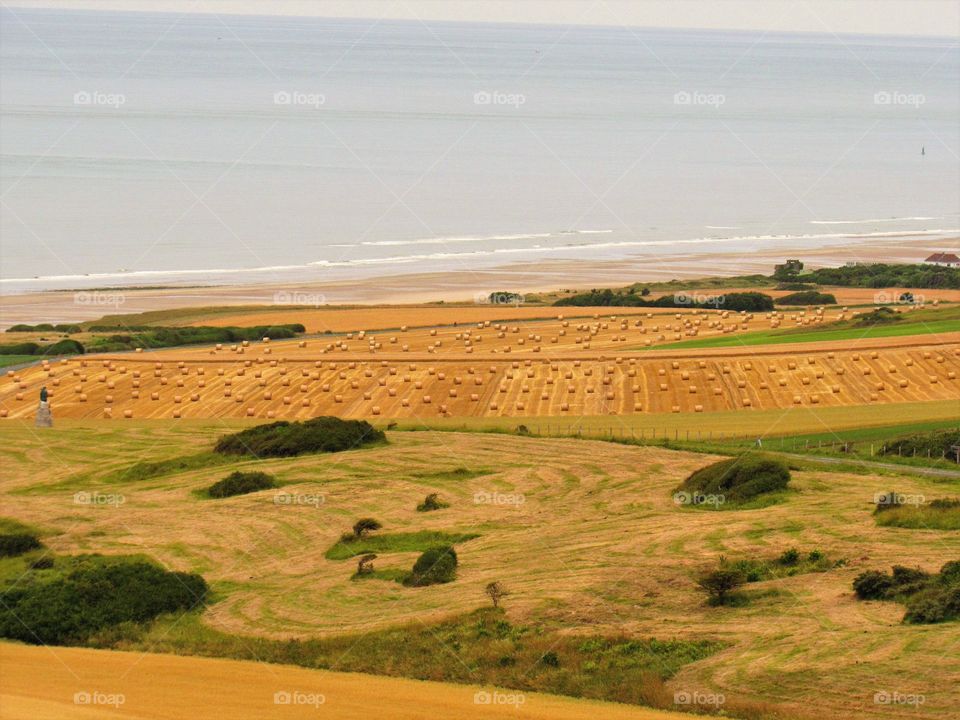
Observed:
{"x":451,"y":286}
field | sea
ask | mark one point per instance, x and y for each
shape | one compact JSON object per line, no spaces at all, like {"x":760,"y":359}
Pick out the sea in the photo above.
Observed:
{"x":151,"y":148}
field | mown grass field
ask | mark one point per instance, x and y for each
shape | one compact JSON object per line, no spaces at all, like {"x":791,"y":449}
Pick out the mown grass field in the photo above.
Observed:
{"x":584,"y":534}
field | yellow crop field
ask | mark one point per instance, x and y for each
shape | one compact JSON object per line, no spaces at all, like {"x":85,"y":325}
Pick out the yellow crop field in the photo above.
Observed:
{"x":82,"y":684}
{"x":557,"y":368}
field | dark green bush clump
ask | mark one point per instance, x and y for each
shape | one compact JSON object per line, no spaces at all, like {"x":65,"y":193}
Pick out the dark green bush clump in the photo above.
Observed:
{"x":285,"y":439}
{"x":44,"y":327}
{"x":13,"y":544}
{"x":436,"y":565}
{"x":98,"y":594}
{"x":25,"y":348}
{"x":930,"y":598}
{"x":879,"y":275}
{"x":934,"y":443}
{"x":738,"y":479}
{"x":64,"y":347}
{"x":880,"y":316}
{"x":241,"y":483}
{"x":807,"y":297}
{"x":149,"y":336}
{"x":747,"y":301}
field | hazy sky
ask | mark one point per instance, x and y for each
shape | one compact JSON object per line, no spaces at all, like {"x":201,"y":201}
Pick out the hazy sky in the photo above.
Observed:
{"x":902,"y":17}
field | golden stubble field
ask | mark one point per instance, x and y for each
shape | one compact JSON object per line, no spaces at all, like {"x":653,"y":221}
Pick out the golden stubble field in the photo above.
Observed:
{"x":351,"y":319}
{"x":40,"y":684}
{"x":564,"y":368}
{"x":585,"y":534}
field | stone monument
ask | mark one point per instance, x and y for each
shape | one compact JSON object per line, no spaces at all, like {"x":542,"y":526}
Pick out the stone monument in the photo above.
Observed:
{"x":44,"y":417}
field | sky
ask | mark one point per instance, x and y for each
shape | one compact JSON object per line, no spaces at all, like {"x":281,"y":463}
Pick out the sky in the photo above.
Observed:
{"x":896,"y":17}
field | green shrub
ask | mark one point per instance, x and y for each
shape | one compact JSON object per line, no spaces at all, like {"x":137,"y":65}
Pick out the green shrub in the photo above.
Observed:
{"x":929,"y":598}
{"x":286,"y":439}
{"x":934,"y":604}
{"x":436,"y":565}
{"x":807,"y":297}
{"x":737,"y":480}
{"x":879,"y":275}
{"x":64,"y":347}
{"x":241,"y":483}
{"x":720,"y":585}
{"x":789,"y":557}
{"x":45,"y":327}
{"x":13,"y":544}
{"x":550,"y":659}
{"x":880,"y":316}
{"x":934,"y":443}
{"x":98,"y":594}
{"x":872,"y":585}
{"x":735,"y":302}
{"x":432,"y":502}
{"x":365,"y":525}
{"x":26,"y":348}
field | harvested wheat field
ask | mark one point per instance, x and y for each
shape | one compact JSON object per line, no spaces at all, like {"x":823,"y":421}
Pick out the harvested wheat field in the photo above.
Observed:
{"x":81,"y":684}
{"x":592,"y":547}
{"x":285,"y":380}
{"x":562,"y":367}
{"x":351,"y":319}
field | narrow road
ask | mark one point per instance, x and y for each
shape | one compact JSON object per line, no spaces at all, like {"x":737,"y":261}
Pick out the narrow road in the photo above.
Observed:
{"x":907,"y":469}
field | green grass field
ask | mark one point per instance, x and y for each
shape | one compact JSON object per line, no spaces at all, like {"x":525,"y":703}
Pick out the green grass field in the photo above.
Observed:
{"x":8,"y":360}
{"x":792,"y":335}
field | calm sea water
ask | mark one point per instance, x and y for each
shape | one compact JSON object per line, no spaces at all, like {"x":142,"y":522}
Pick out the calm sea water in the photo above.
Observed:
{"x":148,"y":148}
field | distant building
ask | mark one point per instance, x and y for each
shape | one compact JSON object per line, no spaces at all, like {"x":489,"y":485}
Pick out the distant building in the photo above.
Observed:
{"x":944,"y":260}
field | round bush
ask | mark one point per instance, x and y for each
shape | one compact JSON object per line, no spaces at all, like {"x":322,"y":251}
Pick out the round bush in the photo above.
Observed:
{"x":241,"y":483}
{"x":13,"y":544}
{"x":286,"y":439}
{"x":436,"y":565}
{"x":872,"y":585}
{"x":739,"y":479}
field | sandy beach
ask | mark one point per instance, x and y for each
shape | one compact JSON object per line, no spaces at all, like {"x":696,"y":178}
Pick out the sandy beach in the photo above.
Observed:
{"x":454,"y":285}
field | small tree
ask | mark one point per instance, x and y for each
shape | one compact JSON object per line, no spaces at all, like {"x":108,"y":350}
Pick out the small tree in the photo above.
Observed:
{"x":719,"y":584}
{"x":496,"y":592}
{"x":365,"y":564}
{"x":431,"y":502}
{"x":365,"y":525}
